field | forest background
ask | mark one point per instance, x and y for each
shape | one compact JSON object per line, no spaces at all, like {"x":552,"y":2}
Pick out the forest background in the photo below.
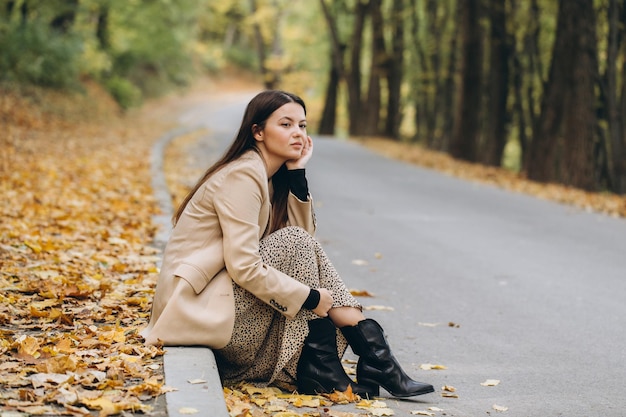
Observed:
{"x":534,"y":86}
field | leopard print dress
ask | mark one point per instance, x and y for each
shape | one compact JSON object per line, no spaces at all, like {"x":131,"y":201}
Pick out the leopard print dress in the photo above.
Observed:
{"x":265,"y":346}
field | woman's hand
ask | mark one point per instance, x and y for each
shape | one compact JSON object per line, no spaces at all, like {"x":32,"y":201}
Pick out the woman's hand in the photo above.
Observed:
{"x":325,"y":304}
{"x":307,"y":152}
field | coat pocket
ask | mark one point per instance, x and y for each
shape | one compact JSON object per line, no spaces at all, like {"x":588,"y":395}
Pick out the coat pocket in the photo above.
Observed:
{"x":197,"y":278}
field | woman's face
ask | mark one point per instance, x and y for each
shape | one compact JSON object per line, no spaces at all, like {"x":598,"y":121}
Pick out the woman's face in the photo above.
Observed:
{"x":283,"y":137}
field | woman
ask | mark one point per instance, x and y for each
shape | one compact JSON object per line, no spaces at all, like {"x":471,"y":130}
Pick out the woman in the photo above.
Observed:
{"x":243,"y":275}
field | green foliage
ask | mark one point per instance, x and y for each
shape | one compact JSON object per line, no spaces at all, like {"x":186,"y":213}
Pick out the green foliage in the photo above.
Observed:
{"x":124,"y":92}
{"x":151,"y":43}
{"x":32,"y":53}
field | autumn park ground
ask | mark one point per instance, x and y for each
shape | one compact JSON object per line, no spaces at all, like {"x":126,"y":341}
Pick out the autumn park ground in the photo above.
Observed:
{"x":77,"y":260}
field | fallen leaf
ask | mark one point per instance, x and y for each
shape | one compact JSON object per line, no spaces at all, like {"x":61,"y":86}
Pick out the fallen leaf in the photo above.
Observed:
{"x":422,"y":413}
{"x":428,"y":324}
{"x":41,"y":379}
{"x":360,"y":293}
{"x":196,"y":381}
{"x":359,"y":262}
{"x":449,"y":391}
{"x":500,"y":408}
{"x":28,"y":345}
{"x":187,"y":410}
{"x":267,"y":392}
{"x":382,"y":412}
{"x":429,"y":366}
{"x":337,"y":413}
{"x":105,"y":405}
{"x":490,"y":383}
{"x":369,"y":404}
{"x":378,"y":308}
{"x":345,"y":397}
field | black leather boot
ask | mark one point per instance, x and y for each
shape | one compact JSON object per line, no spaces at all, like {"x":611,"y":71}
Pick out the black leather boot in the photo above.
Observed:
{"x":319,"y":369}
{"x":377,"y":365}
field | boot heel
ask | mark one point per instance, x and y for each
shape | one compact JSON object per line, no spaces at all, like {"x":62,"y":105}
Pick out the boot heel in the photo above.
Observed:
{"x":372,"y":388}
{"x":310,"y":386}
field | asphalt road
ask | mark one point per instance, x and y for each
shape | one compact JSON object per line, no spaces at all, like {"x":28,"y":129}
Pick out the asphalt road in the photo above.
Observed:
{"x":535,"y":290}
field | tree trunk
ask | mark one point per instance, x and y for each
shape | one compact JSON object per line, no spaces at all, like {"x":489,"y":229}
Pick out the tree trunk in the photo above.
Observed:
{"x":336,"y":74}
{"x":495,"y":131}
{"x":531,"y":46}
{"x":419,"y":80}
{"x":395,"y":72}
{"x":517,"y":78}
{"x":437,"y":29}
{"x":377,"y":71}
{"x":329,"y":114}
{"x":276,"y":67}
{"x":518,"y":105}
{"x":466,"y":130}
{"x":562,"y":147}
{"x":353,"y":77}
{"x":619,"y":147}
{"x":23,"y":10}
{"x":449,"y":88}
{"x":102,"y":27}
{"x":261,"y":49}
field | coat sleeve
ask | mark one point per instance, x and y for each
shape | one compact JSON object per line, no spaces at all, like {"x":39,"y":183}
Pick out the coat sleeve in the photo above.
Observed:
{"x":238,"y":203}
{"x":301,"y":213}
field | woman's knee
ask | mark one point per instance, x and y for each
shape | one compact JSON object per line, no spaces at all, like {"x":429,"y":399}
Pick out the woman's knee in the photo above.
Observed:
{"x":297,"y":232}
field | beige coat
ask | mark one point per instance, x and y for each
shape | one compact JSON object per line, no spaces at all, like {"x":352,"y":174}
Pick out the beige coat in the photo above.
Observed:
{"x":215,"y":242}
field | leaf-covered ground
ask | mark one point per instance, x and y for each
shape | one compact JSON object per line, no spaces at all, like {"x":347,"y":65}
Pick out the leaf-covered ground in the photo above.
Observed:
{"x":77,"y":270}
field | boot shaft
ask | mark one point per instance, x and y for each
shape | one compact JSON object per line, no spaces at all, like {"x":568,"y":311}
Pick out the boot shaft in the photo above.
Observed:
{"x":322,"y":336}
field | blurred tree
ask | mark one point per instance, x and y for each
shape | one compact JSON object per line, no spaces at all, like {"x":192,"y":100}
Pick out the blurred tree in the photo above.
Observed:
{"x":102,"y":26}
{"x":395,"y":70}
{"x":497,"y":112}
{"x":351,"y":74}
{"x":563,"y":144}
{"x":370,"y":120}
{"x":432,"y":43}
{"x":554,"y":103}
{"x":336,"y":73}
{"x":65,"y":14}
{"x":614,"y":110}
{"x":466,"y":134}
{"x":270,"y":78}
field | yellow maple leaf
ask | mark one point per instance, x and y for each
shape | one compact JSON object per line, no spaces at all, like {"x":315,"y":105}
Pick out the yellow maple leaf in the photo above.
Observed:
{"x":105,"y":405}
{"x":28,"y":345}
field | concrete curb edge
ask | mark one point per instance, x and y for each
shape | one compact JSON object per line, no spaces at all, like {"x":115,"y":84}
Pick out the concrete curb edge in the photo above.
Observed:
{"x":183,"y":364}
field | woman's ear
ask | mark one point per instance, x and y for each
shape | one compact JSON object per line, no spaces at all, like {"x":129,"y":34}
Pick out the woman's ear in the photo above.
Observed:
{"x":257,"y":132}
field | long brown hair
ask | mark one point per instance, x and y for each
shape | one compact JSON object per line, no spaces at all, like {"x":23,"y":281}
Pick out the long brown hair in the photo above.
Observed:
{"x":259,"y":109}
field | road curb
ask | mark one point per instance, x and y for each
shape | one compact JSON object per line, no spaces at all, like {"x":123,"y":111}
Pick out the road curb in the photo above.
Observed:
{"x":183,"y":364}
{"x":192,"y":371}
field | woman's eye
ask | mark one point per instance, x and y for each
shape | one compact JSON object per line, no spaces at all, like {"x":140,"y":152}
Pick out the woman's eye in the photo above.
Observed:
{"x":286,"y":124}
{"x":302,"y":126}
